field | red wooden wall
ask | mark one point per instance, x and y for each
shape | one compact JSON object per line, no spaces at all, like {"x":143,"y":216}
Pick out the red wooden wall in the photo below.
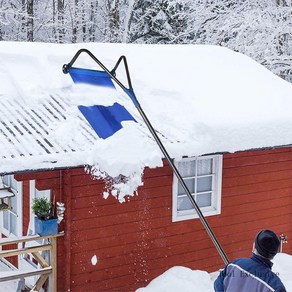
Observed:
{"x":14,"y":259}
{"x":136,"y":241}
{"x":26,"y":207}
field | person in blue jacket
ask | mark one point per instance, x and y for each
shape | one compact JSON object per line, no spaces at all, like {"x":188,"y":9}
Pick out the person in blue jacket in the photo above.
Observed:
{"x":253,"y":274}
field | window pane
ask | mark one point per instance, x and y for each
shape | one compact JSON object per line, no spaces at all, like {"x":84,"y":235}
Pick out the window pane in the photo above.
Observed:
{"x":190,"y":184}
{"x":204,"y":166}
{"x":183,"y":203}
{"x":6,"y":180}
{"x":43,"y":194}
{"x":5,"y":220}
{"x":13,"y":225}
{"x":14,"y":204}
{"x":204,"y":200}
{"x":187,"y":168}
{"x":204,"y":184}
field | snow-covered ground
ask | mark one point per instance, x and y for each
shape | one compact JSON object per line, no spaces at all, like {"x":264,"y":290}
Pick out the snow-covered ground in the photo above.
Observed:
{"x":183,"y":279}
{"x":186,"y":280}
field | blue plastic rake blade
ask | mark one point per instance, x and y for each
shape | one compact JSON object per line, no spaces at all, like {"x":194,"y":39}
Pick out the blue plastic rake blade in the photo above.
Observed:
{"x":106,"y":120}
{"x":93,"y":77}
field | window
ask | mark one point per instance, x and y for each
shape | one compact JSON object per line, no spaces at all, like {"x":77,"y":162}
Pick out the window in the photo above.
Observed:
{"x":35,"y":193}
{"x":11,"y":219}
{"x":202,"y":176}
{"x":27,"y":261}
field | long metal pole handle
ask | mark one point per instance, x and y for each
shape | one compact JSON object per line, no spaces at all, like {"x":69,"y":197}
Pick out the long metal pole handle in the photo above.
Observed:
{"x":182,"y":182}
{"x":131,"y":94}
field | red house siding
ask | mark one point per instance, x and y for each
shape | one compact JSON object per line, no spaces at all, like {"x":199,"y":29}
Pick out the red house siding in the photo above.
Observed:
{"x":257,"y":193}
{"x":136,"y":241}
{"x":14,"y":259}
{"x":26,"y":206}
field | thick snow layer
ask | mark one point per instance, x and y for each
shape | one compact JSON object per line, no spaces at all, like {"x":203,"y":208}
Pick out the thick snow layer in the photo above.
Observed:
{"x":200,"y":99}
{"x":186,"y":280}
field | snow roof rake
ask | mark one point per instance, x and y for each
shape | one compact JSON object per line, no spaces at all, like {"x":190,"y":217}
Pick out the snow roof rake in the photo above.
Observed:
{"x":106,"y":78}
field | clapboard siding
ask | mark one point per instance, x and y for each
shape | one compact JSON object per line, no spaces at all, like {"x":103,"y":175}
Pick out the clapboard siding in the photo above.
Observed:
{"x":256,"y":194}
{"x":274,"y":176}
{"x":256,"y":169}
{"x":26,"y":206}
{"x":138,"y":235}
{"x":261,"y":156}
{"x":136,"y":241}
{"x":105,"y":262}
{"x":126,"y":235}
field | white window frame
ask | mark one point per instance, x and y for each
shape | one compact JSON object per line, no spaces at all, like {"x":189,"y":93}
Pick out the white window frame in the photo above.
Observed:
{"x":18,"y":215}
{"x":215,"y":208}
{"x":33,"y":194}
{"x":26,"y":261}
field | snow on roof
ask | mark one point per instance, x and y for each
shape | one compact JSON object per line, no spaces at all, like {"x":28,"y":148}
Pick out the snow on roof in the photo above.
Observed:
{"x":200,"y":99}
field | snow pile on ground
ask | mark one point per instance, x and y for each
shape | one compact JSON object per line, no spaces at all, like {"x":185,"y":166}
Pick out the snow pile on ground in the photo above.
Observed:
{"x":186,"y":280}
{"x":283,"y":267}
{"x":180,"y":279}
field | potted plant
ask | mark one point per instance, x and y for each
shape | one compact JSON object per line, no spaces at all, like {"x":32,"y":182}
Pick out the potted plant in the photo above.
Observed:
{"x":45,"y":221}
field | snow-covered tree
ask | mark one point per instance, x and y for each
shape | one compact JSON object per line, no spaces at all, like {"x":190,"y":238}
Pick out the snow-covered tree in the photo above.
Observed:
{"x":162,"y":21}
{"x":30,"y":20}
{"x":260,"y":29}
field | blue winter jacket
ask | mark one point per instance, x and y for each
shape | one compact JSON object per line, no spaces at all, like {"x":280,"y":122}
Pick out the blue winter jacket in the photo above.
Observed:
{"x":249,"y":275}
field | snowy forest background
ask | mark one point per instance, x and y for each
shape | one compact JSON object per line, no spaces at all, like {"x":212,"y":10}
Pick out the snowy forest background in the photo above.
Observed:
{"x":261,"y":29}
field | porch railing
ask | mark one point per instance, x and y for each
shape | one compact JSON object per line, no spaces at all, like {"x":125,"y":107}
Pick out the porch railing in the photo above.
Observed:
{"x":47,"y":270}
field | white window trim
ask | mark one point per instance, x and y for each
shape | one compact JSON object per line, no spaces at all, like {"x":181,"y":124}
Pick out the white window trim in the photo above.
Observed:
{"x":26,"y":261}
{"x":35,"y":193}
{"x":19,"y":215}
{"x":215,"y":209}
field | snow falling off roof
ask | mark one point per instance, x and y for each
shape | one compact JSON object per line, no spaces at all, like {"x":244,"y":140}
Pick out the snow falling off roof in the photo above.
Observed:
{"x":200,"y":99}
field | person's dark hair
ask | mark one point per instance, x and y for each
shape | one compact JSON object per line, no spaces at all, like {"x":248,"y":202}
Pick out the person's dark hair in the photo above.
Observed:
{"x":267,"y":244}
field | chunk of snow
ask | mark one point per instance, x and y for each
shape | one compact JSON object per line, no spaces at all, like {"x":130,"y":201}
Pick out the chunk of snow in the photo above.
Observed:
{"x":94,"y":260}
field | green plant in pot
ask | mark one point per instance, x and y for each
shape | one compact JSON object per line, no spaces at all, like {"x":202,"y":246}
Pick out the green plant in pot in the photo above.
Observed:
{"x":45,"y":221}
